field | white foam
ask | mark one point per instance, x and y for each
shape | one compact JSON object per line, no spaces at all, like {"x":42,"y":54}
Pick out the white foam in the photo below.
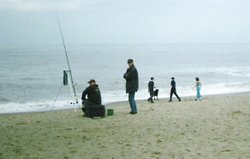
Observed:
{"x":35,"y":106}
{"x":115,"y":96}
{"x":232,"y":71}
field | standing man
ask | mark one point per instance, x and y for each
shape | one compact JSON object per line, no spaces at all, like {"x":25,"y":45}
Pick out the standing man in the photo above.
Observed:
{"x":173,"y":90}
{"x":93,"y":94}
{"x":132,"y":84}
{"x":151,"y":90}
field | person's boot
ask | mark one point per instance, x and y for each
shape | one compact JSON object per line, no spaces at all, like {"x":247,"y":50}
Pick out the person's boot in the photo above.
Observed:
{"x":149,"y":100}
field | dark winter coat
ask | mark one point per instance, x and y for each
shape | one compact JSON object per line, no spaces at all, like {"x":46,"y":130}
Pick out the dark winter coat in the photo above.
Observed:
{"x":173,"y":85}
{"x":93,"y":93}
{"x":151,"y":87}
{"x":132,"y":79}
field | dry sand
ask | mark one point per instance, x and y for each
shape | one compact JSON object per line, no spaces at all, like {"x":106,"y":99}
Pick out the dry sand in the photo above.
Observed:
{"x":216,"y":128}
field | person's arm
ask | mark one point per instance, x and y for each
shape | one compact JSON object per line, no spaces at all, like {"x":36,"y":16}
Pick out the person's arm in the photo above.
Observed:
{"x":84,"y":93}
{"x":131,"y":74}
{"x":125,"y":76}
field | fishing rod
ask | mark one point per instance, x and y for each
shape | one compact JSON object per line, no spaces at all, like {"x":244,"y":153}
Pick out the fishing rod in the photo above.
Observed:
{"x":67,"y":58}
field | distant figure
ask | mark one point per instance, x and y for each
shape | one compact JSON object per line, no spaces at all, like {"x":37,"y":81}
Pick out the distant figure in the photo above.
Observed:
{"x":94,"y":97}
{"x":173,"y":90}
{"x":151,"y":89}
{"x":132,"y":84}
{"x":198,"y":89}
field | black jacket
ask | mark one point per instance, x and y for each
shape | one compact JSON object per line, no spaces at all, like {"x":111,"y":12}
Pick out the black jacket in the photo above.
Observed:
{"x":93,"y":93}
{"x":173,"y":85}
{"x":151,"y":86}
{"x":132,"y":80}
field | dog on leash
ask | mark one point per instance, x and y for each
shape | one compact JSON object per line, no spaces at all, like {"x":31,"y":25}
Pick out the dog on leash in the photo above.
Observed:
{"x":156,"y":94}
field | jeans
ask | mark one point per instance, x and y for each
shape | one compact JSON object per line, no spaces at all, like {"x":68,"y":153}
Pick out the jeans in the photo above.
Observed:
{"x":131,"y":99}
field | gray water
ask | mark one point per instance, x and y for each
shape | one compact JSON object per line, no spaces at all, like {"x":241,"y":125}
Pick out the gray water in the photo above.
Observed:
{"x":31,"y":77}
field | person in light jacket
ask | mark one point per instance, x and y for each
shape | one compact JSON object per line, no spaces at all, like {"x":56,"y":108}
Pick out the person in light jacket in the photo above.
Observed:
{"x":198,"y":88}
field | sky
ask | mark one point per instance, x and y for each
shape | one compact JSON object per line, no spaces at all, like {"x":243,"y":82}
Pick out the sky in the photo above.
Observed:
{"x":125,"y":21}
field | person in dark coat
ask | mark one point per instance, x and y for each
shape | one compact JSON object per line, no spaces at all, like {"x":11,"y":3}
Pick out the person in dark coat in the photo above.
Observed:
{"x":93,"y":94}
{"x":151,"y":90}
{"x":132,"y":84}
{"x":173,"y":90}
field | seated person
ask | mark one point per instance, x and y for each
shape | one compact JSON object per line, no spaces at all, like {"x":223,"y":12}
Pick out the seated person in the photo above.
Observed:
{"x":94,"y":96}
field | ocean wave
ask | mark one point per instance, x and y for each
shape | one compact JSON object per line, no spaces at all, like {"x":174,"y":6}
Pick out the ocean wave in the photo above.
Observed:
{"x":3,"y":100}
{"x":12,"y":107}
{"x":233,"y":71}
{"x":120,"y":95}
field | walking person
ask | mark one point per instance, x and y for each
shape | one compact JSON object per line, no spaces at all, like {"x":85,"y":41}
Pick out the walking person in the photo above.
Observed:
{"x":173,"y":90}
{"x":151,"y":89}
{"x":198,"y":88}
{"x":132,"y":84}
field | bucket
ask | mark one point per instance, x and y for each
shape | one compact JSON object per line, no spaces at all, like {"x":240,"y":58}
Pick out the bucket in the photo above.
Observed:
{"x":110,"y":112}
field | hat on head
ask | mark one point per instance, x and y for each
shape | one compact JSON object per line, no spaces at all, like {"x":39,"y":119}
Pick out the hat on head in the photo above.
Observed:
{"x":172,"y":78}
{"x":130,"y":60}
{"x":90,"y":81}
{"x":152,"y":78}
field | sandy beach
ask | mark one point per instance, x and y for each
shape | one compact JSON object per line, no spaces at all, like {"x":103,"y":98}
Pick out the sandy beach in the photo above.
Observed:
{"x":216,"y":128}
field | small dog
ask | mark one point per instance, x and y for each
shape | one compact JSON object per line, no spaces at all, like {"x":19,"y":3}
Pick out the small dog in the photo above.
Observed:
{"x":156,"y":94}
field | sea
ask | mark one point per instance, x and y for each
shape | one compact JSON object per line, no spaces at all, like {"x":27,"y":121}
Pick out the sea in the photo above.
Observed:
{"x":32,"y":76}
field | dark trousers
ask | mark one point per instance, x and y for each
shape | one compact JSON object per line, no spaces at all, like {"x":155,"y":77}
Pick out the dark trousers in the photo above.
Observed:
{"x":173,"y":91}
{"x":150,"y":99}
{"x":86,"y":105}
{"x":93,"y":110}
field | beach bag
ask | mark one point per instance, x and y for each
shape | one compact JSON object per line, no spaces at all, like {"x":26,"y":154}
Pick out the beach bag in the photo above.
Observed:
{"x":96,"y":111}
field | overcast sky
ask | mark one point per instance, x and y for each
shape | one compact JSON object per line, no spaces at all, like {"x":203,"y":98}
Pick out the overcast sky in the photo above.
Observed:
{"x":125,"y":21}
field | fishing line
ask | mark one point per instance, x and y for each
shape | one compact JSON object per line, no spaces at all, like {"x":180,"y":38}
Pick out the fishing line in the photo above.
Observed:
{"x":67,"y":58}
